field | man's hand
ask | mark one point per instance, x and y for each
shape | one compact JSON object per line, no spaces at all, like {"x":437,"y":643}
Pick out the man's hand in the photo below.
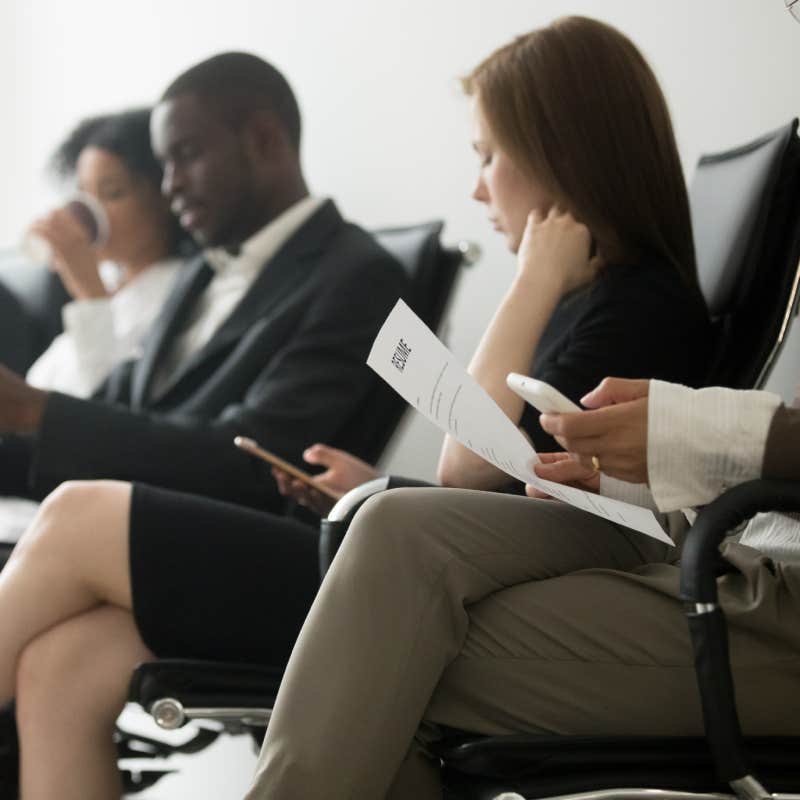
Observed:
{"x":344,"y":472}
{"x":21,"y":406}
{"x":614,"y":432}
{"x":562,"y":468}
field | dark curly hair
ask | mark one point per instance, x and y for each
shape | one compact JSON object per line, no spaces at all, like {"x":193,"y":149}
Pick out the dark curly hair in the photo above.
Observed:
{"x":127,"y":135}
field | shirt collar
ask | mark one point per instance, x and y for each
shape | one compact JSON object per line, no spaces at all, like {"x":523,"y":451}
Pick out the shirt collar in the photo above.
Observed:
{"x":264,"y":243}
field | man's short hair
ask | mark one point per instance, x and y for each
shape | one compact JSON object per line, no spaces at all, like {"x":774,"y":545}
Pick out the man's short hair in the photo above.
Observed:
{"x":239,"y":83}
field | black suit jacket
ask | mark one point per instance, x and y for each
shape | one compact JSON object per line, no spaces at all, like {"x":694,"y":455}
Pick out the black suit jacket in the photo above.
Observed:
{"x":286,"y":368}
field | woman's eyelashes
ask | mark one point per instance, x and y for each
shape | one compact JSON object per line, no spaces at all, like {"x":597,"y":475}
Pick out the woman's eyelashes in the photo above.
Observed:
{"x":113,"y":194}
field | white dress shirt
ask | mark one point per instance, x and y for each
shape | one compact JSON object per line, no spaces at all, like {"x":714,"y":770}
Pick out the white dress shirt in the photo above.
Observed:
{"x":101,"y":333}
{"x":233,"y":276}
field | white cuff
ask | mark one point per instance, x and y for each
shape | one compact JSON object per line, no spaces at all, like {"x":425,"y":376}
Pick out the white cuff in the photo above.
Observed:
{"x":636,"y":494}
{"x":89,"y":323}
{"x":701,"y":441}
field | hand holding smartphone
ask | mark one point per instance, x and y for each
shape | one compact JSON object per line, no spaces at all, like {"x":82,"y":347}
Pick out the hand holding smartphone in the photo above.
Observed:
{"x":542,"y":396}
{"x":252,"y":447}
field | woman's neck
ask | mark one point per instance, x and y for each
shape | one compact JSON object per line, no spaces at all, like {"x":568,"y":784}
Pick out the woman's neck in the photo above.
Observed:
{"x":144,"y":259}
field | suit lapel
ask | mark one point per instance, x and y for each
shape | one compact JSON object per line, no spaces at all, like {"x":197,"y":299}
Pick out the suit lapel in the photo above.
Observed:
{"x":177,"y":308}
{"x":286,"y":270}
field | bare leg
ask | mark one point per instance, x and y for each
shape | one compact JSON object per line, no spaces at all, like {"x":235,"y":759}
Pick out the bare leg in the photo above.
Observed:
{"x":73,"y":558}
{"x":71,"y":685}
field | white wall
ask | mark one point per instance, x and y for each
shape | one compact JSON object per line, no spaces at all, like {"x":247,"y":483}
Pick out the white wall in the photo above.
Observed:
{"x":385,"y":126}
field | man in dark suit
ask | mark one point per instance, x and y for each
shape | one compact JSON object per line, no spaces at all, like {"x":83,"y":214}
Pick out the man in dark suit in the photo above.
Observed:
{"x":265,"y":335}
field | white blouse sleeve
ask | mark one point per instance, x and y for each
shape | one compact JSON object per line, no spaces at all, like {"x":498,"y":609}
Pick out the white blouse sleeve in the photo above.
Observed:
{"x":99,"y":343}
{"x":638,"y":494}
{"x":101,"y":333}
{"x":701,"y":441}
{"x":79,"y":359}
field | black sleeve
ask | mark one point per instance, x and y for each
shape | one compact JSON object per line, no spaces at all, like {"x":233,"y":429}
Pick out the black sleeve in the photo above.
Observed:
{"x":633,"y":327}
{"x":306,"y":393}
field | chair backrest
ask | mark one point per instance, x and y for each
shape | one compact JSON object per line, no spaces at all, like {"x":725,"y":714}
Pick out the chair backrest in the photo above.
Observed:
{"x":433,"y":270}
{"x":33,"y":296}
{"x":745,"y":206}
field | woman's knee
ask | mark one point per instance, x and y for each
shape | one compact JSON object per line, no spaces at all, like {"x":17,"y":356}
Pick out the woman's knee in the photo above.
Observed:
{"x":392,"y":526}
{"x":74,"y":509}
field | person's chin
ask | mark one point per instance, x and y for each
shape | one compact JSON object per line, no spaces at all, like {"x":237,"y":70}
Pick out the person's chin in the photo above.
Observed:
{"x":204,"y":235}
{"x":512,"y":242}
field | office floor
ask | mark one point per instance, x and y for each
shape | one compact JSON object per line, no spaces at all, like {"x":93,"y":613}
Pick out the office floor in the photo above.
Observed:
{"x":221,"y":772}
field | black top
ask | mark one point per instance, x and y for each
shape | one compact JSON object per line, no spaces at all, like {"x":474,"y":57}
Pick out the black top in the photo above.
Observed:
{"x":637,"y":321}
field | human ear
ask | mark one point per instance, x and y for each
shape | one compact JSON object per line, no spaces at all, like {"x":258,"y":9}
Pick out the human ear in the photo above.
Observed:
{"x":264,"y":136}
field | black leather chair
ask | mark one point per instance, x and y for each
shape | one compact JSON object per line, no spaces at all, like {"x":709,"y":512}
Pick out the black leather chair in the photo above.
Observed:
{"x":745,"y":206}
{"x":31,"y":298}
{"x":235,"y":695}
{"x":433,"y":271}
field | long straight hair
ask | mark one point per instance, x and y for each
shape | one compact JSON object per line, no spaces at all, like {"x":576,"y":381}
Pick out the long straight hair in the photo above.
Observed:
{"x":576,"y":105}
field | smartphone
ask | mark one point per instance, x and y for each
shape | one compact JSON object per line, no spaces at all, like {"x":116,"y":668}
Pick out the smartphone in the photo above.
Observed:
{"x":255,"y":449}
{"x":542,"y":396}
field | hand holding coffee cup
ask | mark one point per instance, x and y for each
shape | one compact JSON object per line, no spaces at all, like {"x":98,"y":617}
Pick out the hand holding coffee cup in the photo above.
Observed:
{"x":67,"y":240}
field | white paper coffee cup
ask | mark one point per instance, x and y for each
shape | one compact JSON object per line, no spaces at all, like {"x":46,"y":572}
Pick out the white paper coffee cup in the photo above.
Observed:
{"x":88,"y":210}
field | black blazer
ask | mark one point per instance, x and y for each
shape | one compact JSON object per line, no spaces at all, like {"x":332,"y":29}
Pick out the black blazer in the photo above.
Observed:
{"x":286,"y":368}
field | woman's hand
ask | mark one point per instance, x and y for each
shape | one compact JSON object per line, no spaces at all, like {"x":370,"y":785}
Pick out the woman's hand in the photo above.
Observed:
{"x":74,"y":258}
{"x":614,"y":432}
{"x":554,"y":252}
{"x":344,"y":472}
{"x":562,"y":468}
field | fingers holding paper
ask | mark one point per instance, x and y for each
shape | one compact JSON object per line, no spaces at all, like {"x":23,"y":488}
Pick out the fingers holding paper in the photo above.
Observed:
{"x":563,"y":468}
{"x":613,"y":432}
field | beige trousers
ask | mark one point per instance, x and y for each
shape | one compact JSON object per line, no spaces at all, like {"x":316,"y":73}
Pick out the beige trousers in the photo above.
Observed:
{"x":500,"y":614}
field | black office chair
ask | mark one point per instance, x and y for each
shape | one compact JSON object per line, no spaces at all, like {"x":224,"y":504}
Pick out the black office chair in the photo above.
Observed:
{"x":235,"y":694}
{"x":31,"y":298}
{"x":433,"y":271}
{"x":745,"y":206}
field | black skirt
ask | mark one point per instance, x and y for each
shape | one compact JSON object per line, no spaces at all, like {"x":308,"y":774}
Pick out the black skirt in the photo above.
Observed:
{"x":213,"y":580}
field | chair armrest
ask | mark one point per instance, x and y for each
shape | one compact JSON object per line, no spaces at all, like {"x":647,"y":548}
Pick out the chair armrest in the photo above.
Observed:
{"x":333,"y":528}
{"x":707,"y":623}
{"x":204,"y":683}
{"x":716,"y":520}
